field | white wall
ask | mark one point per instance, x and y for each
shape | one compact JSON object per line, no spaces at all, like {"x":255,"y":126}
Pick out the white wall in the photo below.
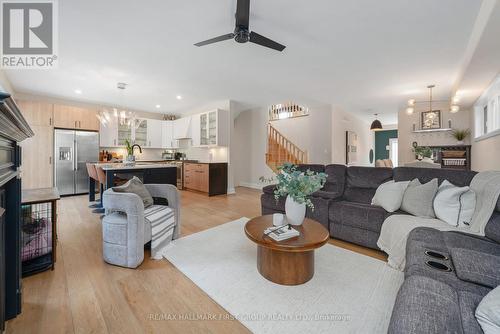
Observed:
{"x":459,"y":120}
{"x":342,"y":121}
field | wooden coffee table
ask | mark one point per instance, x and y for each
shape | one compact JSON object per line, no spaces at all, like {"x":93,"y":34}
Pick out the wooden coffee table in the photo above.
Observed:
{"x":289,"y":262}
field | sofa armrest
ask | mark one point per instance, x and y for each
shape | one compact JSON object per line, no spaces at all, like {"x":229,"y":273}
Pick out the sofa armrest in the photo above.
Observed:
{"x":269,"y":189}
{"x":476,"y":267}
{"x":171,"y":194}
{"x":327,"y":194}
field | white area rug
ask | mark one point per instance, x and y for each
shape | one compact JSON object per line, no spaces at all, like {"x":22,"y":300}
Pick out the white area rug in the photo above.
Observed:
{"x":349,"y":293}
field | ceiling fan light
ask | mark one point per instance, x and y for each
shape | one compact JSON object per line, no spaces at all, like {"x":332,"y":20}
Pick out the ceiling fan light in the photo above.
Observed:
{"x":454,"y":109}
{"x":410,"y":110}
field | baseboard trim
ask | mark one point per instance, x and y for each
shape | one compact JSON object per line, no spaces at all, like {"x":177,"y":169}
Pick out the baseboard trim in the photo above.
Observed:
{"x":231,"y":191}
{"x":251,"y":185}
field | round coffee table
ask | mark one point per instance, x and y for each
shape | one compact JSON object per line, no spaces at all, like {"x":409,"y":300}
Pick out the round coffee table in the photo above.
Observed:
{"x":289,"y":262}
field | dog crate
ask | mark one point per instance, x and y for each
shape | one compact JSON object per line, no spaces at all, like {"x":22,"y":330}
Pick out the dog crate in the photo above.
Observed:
{"x":38,"y":230}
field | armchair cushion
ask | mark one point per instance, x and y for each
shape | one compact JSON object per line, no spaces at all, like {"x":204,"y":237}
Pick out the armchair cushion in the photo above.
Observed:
{"x":135,"y":186}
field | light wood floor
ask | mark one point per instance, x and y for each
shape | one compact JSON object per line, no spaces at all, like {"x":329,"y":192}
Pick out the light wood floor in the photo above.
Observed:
{"x":85,"y":295}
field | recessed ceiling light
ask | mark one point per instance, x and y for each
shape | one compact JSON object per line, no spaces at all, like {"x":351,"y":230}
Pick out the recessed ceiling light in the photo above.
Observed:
{"x":78,"y":91}
{"x":158,"y":106}
{"x":178,"y":97}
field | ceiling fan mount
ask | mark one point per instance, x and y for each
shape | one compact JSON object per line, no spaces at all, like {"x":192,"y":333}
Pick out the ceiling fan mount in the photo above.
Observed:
{"x":242,"y":33}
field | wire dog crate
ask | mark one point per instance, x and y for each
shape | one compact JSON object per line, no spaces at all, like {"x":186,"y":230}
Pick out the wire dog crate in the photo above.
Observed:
{"x":38,"y":230}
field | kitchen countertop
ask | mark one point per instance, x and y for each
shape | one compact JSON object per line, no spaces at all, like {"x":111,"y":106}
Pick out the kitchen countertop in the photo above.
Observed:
{"x":118,"y":166}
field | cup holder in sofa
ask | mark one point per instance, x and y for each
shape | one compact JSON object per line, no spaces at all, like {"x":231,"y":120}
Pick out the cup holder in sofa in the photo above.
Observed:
{"x":436,"y":255}
{"x":438,"y":266}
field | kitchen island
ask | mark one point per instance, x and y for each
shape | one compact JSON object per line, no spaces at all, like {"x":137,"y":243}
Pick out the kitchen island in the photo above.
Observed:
{"x":160,"y":173}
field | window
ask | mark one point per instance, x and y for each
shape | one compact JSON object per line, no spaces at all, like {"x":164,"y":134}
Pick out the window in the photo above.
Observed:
{"x":487,"y":112}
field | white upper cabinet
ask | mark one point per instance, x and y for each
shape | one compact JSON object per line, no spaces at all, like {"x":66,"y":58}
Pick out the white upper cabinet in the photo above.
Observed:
{"x":167,"y":135}
{"x":195,"y":130}
{"x":108,"y":134}
{"x":154,"y":133}
{"x":211,"y":128}
{"x":182,"y":128}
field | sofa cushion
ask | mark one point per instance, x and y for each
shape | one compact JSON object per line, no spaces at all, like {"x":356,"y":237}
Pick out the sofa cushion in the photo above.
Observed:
{"x":362,"y":182}
{"x":492,"y":230}
{"x":335,"y":181}
{"x":269,"y":189}
{"x":317,"y":168}
{"x":418,"y":198}
{"x":457,"y":177}
{"x":476,"y":243}
{"x":468,"y":303}
{"x":476,"y":267}
{"x":327,"y":194}
{"x":424,"y":305}
{"x":363,"y":216}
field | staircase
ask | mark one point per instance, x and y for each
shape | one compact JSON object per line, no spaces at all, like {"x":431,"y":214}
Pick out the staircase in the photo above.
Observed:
{"x":281,"y":150}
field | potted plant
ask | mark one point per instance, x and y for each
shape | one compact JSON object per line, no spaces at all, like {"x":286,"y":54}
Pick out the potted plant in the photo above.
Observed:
{"x":460,"y":135}
{"x":423,"y":153}
{"x":297,"y":186}
{"x":130,"y":151}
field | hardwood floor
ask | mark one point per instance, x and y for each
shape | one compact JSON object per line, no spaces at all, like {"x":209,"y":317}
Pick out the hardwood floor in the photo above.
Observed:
{"x":85,"y":295}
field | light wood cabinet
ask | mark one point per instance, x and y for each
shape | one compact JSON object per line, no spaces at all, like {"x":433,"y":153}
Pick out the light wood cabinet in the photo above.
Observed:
{"x":36,"y":112}
{"x":210,"y":178}
{"x":71,"y":117}
{"x":37,"y":158}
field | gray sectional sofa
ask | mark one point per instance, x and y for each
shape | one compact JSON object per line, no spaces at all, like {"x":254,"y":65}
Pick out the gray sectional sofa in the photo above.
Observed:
{"x":431,"y":300}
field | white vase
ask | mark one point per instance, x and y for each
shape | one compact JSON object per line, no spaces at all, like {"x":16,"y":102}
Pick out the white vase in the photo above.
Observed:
{"x":460,"y":142}
{"x":295,"y":212}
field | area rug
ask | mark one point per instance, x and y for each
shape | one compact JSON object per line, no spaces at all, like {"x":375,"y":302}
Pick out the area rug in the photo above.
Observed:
{"x":349,"y":293}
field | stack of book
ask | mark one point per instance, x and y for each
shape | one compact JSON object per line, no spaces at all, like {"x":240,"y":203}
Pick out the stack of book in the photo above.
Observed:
{"x":281,"y":233}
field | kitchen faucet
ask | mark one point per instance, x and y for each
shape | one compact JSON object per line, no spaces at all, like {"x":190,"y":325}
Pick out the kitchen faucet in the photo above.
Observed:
{"x":135,"y":145}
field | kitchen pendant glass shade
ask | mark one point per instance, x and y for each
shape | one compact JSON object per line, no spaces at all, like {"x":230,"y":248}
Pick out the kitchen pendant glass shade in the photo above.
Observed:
{"x":376,"y":125}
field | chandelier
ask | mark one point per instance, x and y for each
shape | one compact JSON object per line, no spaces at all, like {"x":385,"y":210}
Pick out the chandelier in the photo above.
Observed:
{"x":122,"y":117}
{"x":454,"y":107}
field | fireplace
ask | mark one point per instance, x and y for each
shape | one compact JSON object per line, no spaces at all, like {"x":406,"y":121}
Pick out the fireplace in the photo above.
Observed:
{"x":13,"y":129}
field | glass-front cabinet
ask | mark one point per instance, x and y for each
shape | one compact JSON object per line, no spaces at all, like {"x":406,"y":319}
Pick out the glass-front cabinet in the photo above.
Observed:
{"x":124,"y":132}
{"x":141,"y":132}
{"x":208,"y":128}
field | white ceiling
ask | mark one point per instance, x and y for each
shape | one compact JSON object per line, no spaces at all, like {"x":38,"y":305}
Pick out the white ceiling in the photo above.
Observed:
{"x":366,"y":56}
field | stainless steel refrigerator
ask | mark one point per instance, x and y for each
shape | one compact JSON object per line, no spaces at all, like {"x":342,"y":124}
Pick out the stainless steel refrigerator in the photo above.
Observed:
{"x":73,"y":149}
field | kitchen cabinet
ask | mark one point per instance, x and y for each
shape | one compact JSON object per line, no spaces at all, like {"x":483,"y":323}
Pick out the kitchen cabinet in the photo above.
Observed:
{"x":195,"y":130}
{"x":37,"y":158}
{"x":36,"y":112}
{"x":167,"y":135}
{"x":124,"y":132}
{"x":140,"y":132}
{"x":108,"y":133}
{"x":210,"y":178}
{"x":154,"y":133}
{"x":211,"y":128}
{"x":182,"y":128}
{"x":71,"y":117}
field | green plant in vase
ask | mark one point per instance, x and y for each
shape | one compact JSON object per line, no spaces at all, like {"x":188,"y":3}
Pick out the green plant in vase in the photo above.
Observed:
{"x":423,"y":152}
{"x":297,"y":186}
{"x":130,"y":151}
{"x":460,"y":135}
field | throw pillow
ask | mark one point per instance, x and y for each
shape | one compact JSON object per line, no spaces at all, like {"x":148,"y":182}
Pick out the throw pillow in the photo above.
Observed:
{"x":418,"y":198}
{"x":488,"y":312}
{"x":389,"y":195}
{"x":454,"y":205}
{"x":135,"y":186}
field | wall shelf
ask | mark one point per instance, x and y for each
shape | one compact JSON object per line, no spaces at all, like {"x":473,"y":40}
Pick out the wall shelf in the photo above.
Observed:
{"x":432,"y":130}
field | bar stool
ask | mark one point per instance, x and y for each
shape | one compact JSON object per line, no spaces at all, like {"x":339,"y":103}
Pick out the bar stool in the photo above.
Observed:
{"x":93,"y":175}
{"x":101,"y":177}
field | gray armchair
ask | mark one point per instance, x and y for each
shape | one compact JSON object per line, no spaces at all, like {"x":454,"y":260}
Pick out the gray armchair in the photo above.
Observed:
{"x":124,"y":229}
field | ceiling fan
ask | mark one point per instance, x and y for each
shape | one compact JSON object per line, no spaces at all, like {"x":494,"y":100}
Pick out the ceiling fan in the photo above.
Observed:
{"x":241,"y":33}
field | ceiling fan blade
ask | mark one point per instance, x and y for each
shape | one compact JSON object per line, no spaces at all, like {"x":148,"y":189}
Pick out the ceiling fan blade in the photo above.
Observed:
{"x":242,"y":13}
{"x":264,"y":41}
{"x":216,"y":39}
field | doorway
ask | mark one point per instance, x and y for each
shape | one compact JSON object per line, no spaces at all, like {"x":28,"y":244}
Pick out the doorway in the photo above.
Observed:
{"x":393,"y":151}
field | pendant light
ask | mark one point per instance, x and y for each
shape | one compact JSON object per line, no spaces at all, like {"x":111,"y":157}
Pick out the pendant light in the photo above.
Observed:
{"x":376,"y":124}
